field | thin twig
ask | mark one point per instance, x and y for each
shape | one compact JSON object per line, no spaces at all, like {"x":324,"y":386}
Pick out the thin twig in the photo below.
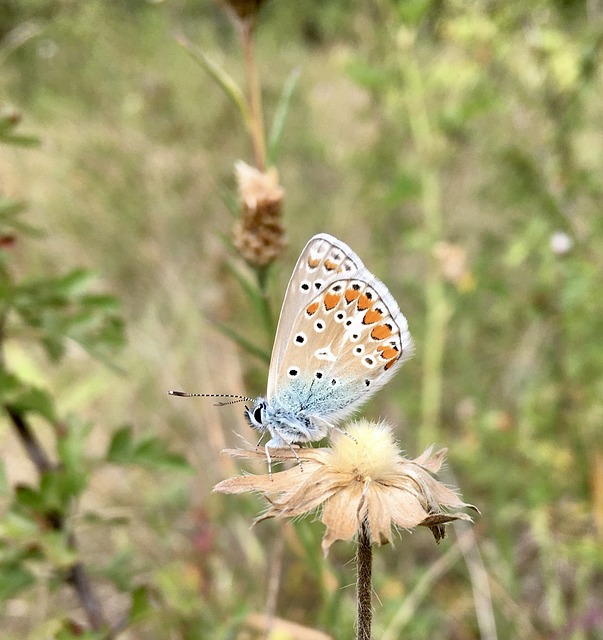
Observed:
{"x":420,"y":591}
{"x":29,"y":441}
{"x":76,"y":575}
{"x":274,"y":580}
{"x":480,"y":582}
{"x":78,"y":579}
{"x":364,"y":561}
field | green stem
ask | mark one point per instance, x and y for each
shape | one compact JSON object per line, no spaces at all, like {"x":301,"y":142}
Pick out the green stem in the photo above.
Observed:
{"x":437,"y":310}
{"x":266,"y":309}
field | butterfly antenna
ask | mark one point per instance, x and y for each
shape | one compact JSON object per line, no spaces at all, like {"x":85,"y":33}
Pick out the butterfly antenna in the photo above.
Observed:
{"x":184,"y":394}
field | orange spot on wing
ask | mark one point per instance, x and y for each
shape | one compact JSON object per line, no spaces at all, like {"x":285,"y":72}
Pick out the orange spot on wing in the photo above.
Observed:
{"x":390,"y":363}
{"x":387,"y":352}
{"x":332,"y":300}
{"x":371,"y":316}
{"x":351,"y":295}
{"x":363,"y":303}
{"x":329,"y":265}
{"x":312,"y":308}
{"x":381,"y":332}
{"x":313,"y":262}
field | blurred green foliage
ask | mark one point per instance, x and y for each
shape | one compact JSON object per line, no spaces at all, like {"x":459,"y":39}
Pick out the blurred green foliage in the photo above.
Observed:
{"x":457,"y":148}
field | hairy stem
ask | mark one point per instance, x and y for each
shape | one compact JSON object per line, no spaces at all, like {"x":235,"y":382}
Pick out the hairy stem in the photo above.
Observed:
{"x":364,"y":561}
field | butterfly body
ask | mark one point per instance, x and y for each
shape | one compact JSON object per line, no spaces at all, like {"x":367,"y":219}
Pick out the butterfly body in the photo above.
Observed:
{"x":340,"y":337}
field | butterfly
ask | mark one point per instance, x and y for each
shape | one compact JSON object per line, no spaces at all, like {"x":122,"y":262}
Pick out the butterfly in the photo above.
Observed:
{"x":340,"y":337}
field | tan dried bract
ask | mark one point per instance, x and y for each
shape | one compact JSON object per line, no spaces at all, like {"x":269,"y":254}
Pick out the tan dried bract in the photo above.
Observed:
{"x":360,"y":476}
{"x":259,"y":234}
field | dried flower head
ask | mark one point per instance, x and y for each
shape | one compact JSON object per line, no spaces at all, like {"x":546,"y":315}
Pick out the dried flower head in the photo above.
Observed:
{"x":361,"y":476}
{"x":453,"y":264}
{"x":259,"y":234}
{"x":243,"y":9}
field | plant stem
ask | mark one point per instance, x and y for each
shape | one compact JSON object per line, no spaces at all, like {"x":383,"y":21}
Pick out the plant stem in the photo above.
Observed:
{"x":76,"y":575}
{"x":364,"y":561}
{"x":255,"y":94}
{"x":437,"y":307}
{"x":262,"y":276}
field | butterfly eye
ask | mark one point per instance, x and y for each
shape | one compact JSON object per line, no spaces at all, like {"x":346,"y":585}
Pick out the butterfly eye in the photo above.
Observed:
{"x":257,"y":414}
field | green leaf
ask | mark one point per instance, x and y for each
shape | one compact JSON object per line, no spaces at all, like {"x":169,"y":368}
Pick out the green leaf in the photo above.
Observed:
{"x":120,"y":570}
{"x":10,"y":387}
{"x":10,"y":208}
{"x":121,"y":446}
{"x":32,"y":400}
{"x":243,"y":342}
{"x":17,"y":527}
{"x":141,"y":606}
{"x":4,"y":486}
{"x":152,"y":452}
{"x":73,"y":283}
{"x":25,"y":496}
{"x":280,"y":117}
{"x":56,"y":549}
{"x":252,"y":292}
{"x":71,"y":442}
{"x":21,"y":140}
{"x":112,"y":521}
{"x":366,"y":75}
{"x":403,"y":188}
{"x":14,"y":578}
{"x":225,"y":81}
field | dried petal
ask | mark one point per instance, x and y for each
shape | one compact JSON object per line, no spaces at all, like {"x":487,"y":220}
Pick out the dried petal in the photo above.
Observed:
{"x":362,"y":476}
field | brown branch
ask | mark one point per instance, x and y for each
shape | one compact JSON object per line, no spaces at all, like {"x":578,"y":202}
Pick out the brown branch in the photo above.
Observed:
{"x":76,"y":575}
{"x":29,"y":441}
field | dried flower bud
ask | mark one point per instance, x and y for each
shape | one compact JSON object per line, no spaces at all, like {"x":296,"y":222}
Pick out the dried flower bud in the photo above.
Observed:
{"x":453,"y":263}
{"x":259,"y":234}
{"x":243,"y":9}
{"x":362,"y":476}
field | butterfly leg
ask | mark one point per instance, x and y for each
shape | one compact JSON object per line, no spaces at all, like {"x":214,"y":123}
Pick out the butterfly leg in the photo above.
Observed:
{"x":299,"y":462}
{"x":268,"y":458}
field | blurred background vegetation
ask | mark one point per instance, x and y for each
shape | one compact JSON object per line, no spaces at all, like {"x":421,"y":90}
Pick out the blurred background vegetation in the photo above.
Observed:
{"x":458,"y":148}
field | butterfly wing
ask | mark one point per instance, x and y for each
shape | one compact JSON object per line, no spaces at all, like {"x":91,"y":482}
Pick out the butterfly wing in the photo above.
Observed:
{"x":339,"y":342}
{"x":322,"y":261}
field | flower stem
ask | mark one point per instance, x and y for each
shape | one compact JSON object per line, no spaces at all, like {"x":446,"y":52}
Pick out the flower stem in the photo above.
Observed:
{"x":364,"y":561}
{"x":255,"y":95}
